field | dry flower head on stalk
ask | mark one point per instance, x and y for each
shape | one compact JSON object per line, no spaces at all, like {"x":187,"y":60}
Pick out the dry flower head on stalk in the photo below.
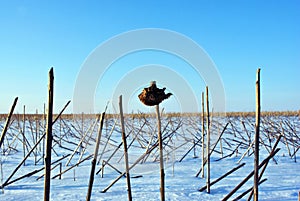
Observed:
{"x":152,"y":95}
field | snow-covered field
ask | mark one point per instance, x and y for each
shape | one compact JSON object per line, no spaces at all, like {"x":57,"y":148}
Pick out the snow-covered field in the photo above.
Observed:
{"x":181,"y":183}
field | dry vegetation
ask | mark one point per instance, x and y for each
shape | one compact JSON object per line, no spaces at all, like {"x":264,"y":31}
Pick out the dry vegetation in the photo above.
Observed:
{"x":74,"y":133}
{"x":145,"y":115}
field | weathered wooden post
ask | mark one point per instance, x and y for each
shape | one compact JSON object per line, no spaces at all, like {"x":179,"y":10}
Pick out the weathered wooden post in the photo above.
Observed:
{"x":265,"y":165}
{"x":23,"y":133}
{"x":60,"y":170}
{"x":203,"y":137}
{"x":125,"y":149}
{"x":44,"y":125}
{"x":161,"y":156}
{"x":49,"y":138}
{"x":154,"y":96}
{"x":208,"y":143}
{"x":8,"y":121}
{"x":89,"y":193}
{"x":257,"y":123}
{"x":36,"y":135}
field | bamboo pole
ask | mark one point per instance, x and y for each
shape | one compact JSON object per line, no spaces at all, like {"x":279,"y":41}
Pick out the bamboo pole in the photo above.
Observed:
{"x":148,"y":151}
{"x":19,"y":165}
{"x":88,"y":139}
{"x":193,"y":147}
{"x":1,"y":169}
{"x":60,"y":128}
{"x":89,"y":193}
{"x":58,"y":160}
{"x":31,"y":173}
{"x":23,"y":133}
{"x":221,"y":147}
{"x":247,"y":151}
{"x":223,"y":176}
{"x":265,"y":166}
{"x":250,"y":175}
{"x":161,"y":158}
{"x":44,"y":125}
{"x":114,"y":152}
{"x":8,"y":121}
{"x":28,"y":154}
{"x":110,"y":165}
{"x":81,"y":141}
{"x":52,"y":168}
{"x":71,"y":167}
{"x":108,"y":138}
{"x":229,"y":155}
{"x":60,"y":169}
{"x":134,"y":139}
{"x":208,"y":143}
{"x":212,"y":150}
{"x":110,"y":157}
{"x":125,"y":149}
{"x":203,"y":142}
{"x":49,"y":138}
{"x":36,"y":136}
{"x":257,"y":124}
{"x":60,"y":113}
{"x":82,"y":129}
{"x":247,"y":191}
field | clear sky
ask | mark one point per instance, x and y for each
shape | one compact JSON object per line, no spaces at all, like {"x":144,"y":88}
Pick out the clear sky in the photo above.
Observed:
{"x":238,"y":36}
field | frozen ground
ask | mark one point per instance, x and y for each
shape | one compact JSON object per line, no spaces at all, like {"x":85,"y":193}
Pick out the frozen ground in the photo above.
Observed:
{"x":283,"y":178}
{"x":282,"y":184}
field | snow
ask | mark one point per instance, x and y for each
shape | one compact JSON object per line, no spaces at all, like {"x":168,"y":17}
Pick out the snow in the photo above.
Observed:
{"x":283,"y":178}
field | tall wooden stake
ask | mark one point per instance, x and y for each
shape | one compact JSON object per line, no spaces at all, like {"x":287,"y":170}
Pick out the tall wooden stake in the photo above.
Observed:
{"x":8,"y":121}
{"x":257,"y":122}
{"x":208,"y":143}
{"x":125,"y":149}
{"x":44,"y":123}
{"x":36,"y":136}
{"x":203,"y":142}
{"x":161,"y":158}
{"x":250,"y":175}
{"x":49,"y":138}
{"x":89,"y":193}
{"x":23,"y":133}
{"x":266,"y":164}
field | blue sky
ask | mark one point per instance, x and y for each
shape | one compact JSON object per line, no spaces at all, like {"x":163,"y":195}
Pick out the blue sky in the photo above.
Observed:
{"x":239,"y":37}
